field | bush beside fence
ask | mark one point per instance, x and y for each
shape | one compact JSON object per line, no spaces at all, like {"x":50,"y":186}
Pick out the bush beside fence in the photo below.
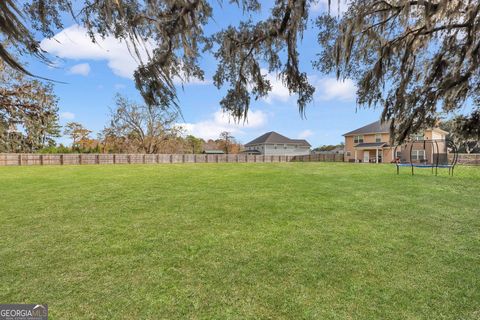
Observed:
{"x":319,"y":158}
{"x":467,"y":159}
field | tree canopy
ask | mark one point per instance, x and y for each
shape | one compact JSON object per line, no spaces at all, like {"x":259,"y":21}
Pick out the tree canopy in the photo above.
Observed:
{"x":416,"y":59}
{"x":28,"y":112}
{"x":176,"y":31}
{"x":412,"y":58}
{"x":140,"y":128}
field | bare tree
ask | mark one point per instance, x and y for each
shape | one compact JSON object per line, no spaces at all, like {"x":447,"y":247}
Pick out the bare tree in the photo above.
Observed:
{"x":142,"y":128}
{"x":77,"y":132}
{"x":226,"y":141}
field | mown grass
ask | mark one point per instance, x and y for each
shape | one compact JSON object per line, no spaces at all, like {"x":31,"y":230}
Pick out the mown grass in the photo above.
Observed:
{"x":241,"y":241}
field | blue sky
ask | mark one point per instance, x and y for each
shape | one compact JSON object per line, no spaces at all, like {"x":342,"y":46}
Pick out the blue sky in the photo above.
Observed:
{"x":94,"y":73}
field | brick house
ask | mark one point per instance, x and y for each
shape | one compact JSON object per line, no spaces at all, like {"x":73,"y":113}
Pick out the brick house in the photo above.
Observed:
{"x":371,"y":143}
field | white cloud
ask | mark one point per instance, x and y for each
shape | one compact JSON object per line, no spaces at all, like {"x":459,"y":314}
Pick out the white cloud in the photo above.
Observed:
{"x":67,"y":115}
{"x":305,"y":134}
{"x":333,"y":89}
{"x":74,"y":43}
{"x":82,"y":69}
{"x":220,"y":121}
{"x":279,"y":92}
{"x":322,"y":6}
{"x":120,"y":86}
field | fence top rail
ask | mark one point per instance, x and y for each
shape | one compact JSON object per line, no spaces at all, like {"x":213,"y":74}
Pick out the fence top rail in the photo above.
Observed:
{"x":141,"y":158}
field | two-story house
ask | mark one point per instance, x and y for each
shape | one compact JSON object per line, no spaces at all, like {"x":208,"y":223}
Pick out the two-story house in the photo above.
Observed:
{"x":274,"y":144}
{"x":371,"y":143}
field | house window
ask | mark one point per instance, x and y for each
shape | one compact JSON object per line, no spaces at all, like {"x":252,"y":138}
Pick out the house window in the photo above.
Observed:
{"x":349,"y":153}
{"x":417,"y":136}
{"x":358,"y":139}
{"x":284,"y":146}
{"x":418,"y":154}
{"x":398,"y":154}
{"x":378,"y":137}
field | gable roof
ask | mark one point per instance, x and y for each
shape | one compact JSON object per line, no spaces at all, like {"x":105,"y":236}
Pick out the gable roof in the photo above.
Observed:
{"x":273,"y":137}
{"x":378,"y":127}
{"x":374,"y":127}
{"x":302,"y":142}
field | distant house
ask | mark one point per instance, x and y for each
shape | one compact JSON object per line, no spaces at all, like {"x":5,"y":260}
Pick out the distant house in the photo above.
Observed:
{"x":370,"y":143}
{"x":273,"y":143}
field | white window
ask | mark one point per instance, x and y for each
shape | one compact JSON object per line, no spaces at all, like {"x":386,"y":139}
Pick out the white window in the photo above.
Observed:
{"x":418,"y":136}
{"x":418,"y":154}
{"x":378,"y":137}
{"x":398,"y":154}
{"x":358,"y":139}
{"x":348,"y":153}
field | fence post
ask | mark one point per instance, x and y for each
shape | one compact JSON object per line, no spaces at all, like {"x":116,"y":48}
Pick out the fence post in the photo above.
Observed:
{"x":97,"y":159}
{"x":80,"y":158}
{"x":216,"y":158}
{"x":114,"y":158}
{"x":41,"y":159}
{"x":171,"y":158}
{"x":157,"y":158}
{"x":61,"y":159}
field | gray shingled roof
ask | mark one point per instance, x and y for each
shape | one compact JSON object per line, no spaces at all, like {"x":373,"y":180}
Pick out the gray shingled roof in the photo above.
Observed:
{"x":374,"y":127}
{"x":371,"y":144}
{"x":275,"y":138}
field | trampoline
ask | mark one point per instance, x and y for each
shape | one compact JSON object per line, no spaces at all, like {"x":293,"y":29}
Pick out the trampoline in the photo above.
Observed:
{"x":427,"y":154}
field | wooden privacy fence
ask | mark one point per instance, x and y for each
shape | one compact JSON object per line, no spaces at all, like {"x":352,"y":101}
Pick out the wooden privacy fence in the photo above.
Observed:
{"x":319,"y":157}
{"x":467,"y":159}
{"x":26,"y":159}
{"x":21,"y":159}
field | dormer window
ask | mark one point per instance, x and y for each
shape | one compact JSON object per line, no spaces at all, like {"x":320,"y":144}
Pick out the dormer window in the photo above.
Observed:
{"x":417,"y":136}
{"x":358,"y":139}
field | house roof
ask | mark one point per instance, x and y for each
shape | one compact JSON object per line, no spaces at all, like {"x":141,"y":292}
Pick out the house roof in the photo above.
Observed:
{"x":251,"y":151}
{"x":371,"y":145}
{"x":213,"y":151}
{"x":379,"y":127}
{"x":273,"y":137}
{"x":374,"y":127}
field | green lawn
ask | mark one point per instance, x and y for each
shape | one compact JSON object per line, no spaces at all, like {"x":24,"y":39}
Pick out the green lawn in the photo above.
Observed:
{"x":241,"y":241}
